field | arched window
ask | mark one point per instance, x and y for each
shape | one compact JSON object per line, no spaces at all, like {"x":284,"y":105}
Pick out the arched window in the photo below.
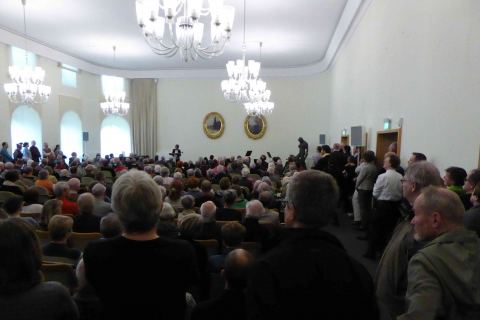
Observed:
{"x":115,"y":136}
{"x":26,"y":126}
{"x":71,"y":134}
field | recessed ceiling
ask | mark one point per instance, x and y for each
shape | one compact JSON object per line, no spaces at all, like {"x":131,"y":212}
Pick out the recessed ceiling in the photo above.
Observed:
{"x":294,"y":33}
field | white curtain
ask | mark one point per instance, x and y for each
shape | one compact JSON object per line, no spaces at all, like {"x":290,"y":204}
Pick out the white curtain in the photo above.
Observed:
{"x":143,"y":108}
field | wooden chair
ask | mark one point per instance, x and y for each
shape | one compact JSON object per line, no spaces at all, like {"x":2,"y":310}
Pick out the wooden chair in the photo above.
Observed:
{"x":60,"y":272}
{"x":254,"y":177}
{"x":4,"y":195}
{"x":43,"y":236}
{"x":253,"y":247}
{"x":34,"y":215}
{"x":80,"y":240}
{"x":52,"y":259}
{"x":211,"y":245}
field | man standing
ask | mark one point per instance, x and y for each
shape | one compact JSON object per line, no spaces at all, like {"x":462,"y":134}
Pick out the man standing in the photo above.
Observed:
{"x":35,"y":152}
{"x":391,"y":276}
{"x":444,"y":275}
{"x":302,"y":150}
{"x":310,"y":275}
{"x":7,"y":157}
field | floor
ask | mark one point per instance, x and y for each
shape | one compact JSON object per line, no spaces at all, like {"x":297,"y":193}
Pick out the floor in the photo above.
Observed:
{"x":347,"y":234}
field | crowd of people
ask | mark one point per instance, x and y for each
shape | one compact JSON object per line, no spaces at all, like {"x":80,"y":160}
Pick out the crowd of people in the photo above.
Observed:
{"x":154,"y":217}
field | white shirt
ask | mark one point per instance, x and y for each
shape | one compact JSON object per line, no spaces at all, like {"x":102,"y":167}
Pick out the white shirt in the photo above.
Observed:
{"x":388,"y":186}
{"x":33,"y":208}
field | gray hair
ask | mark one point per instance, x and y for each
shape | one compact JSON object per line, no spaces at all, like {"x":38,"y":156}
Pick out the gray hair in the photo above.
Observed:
{"x":110,"y":226}
{"x":158,"y":180}
{"x":74,"y":184}
{"x":59,"y":188}
{"x":137,"y":200}
{"x":254,"y":208}
{"x":178,"y":175}
{"x":208,"y":210}
{"x":423,"y":174}
{"x":191,"y":226}
{"x":167,"y":209}
{"x":187,"y":201}
{"x":164,"y":172}
{"x":85,"y":203}
{"x":447,"y":203}
{"x":99,"y":190}
{"x":245,"y":172}
{"x":314,"y":196}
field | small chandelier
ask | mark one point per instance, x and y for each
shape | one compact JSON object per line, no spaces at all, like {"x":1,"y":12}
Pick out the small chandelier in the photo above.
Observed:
{"x":262,"y":106}
{"x":184,"y":31}
{"x":115,"y":100}
{"x":115,"y":104}
{"x":27,"y":85}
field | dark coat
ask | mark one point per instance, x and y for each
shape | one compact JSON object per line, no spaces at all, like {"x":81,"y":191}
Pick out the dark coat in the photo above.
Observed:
{"x":310,"y":276}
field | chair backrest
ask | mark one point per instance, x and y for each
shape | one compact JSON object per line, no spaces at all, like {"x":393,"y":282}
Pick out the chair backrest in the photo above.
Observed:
{"x":52,"y":259}
{"x":210,"y":244}
{"x":60,"y":272}
{"x":43,"y":236}
{"x":221,"y":223}
{"x":4,"y":195}
{"x":253,"y":247}
{"x":80,"y":240}
{"x":253,"y":176}
{"x":34,"y":215}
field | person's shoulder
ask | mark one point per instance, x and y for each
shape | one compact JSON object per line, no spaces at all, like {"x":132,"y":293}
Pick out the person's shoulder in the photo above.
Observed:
{"x":49,"y":290}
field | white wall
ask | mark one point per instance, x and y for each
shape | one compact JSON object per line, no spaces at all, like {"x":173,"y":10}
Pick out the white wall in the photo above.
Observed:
{"x":301,"y":109}
{"x":418,"y":60}
{"x":84,"y":99}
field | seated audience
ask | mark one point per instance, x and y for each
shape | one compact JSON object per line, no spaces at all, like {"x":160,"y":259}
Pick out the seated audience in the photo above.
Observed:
{"x":60,"y":229}
{"x":167,"y":224}
{"x":74,"y":185}
{"x":44,"y":182}
{"x":10,"y":185}
{"x":269,"y":216}
{"x":206,"y":193}
{"x":309,"y":275}
{"x":13,"y":207}
{"x":23,"y":294}
{"x":174,"y":195}
{"x":254,"y":230}
{"x":125,"y":270}
{"x":442,"y":276}
{"x":210,"y":230}
{"x":85,"y":220}
{"x":233,"y":234}
{"x":31,"y":203}
{"x":61,"y":191}
{"x":227,"y":213}
{"x":231,"y":304}
{"x":190,"y":228}
{"x":110,"y":226}
{"x":472,"y":215}
{"x":50,"y":208}
{"x":100,"y":207}
{"x":188,"y":203}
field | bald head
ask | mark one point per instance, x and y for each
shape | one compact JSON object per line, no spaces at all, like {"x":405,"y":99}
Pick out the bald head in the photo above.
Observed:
{"x":237,"y":268}
{"x":208,"y":210}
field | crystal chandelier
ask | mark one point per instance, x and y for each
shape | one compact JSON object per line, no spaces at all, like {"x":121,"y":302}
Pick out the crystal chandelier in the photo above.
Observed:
{"x":115,"y":104}
{"x":115,"y":100}
{"x":27,"y":85}
{"x":184,"y":30}
{"x":244,"y":85}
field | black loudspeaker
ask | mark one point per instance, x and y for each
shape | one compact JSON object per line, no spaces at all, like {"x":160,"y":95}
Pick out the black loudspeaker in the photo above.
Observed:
{"x":322,"y":139}
{"x":357,"y":136}
{"x":85,"y":136}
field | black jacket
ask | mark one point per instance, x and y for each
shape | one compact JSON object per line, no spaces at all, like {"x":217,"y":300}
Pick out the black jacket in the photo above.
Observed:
{"x":310,"y":276}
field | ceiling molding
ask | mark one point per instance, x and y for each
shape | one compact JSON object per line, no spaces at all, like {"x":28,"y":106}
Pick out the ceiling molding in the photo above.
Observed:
{"x":350,"y":18}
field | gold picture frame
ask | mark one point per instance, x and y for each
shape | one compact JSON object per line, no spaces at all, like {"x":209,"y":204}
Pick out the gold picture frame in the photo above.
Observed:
{"x":255,"y":126}
{"x":213,"y":125}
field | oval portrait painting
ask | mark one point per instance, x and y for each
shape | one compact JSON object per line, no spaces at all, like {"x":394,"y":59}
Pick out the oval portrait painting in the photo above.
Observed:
{"x":255,"y":126}
{"x":213,"y":125}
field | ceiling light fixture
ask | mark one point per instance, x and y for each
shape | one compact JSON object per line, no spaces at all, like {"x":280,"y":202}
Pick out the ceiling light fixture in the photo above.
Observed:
{"x":243,"y":84}
{"x":184,"y":30}
{"x":27,"y":85}
{"x":115,"y":100}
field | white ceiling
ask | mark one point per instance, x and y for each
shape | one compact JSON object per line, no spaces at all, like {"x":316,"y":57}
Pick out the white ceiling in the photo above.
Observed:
{"x":294,"y":33}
